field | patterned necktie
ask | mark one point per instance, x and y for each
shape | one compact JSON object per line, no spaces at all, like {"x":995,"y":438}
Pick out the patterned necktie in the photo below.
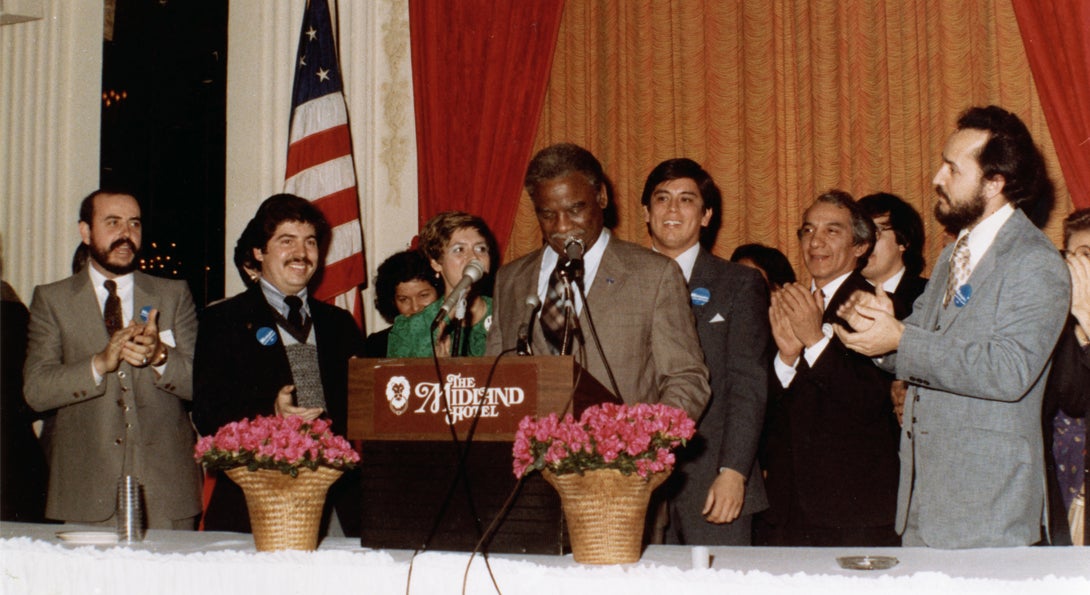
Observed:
{"x":111,"y":313}
{"x":295,"y":311}
{"x":959,"y":269}
{"x":554,"y":313}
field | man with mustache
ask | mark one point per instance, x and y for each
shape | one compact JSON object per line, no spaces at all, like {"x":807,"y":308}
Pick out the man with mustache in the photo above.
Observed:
{"x":275,"y":350}
{"x":975,"y":351}
{"x":637,"y":299}
{"x":110,"y":354}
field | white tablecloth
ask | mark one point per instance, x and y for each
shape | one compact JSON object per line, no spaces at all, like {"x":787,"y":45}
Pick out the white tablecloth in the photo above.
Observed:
{"x":34,"y":561}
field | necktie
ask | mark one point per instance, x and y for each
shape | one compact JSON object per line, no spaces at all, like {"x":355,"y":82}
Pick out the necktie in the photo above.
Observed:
{"x":111,"y":313}
{"x":959,"y":269}
{"x":555,"y":313}
{"x":295,"y":311}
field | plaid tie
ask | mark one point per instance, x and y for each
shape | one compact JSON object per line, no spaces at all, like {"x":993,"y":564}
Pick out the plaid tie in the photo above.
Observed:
{"x":556,"y":312}
{"x":111,"y":312}
{"x":959,"y":269}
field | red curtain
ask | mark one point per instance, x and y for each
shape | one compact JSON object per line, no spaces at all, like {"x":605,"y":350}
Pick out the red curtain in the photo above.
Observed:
{"x":1057,"y":39}
{"x":480,"y":68}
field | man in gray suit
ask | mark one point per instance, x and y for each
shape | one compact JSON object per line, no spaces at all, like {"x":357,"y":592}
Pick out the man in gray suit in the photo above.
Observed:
{"x":636,"y":299}
{"x":975,"y":351}
{"x":718,"y":485}
{"x":111,"y":352}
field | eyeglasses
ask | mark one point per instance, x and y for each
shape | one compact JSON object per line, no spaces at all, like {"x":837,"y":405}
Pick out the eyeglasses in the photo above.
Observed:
{"x":1079,"y":251}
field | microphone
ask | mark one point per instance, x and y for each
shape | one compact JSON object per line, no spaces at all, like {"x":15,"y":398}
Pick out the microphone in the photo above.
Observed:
{"x":524,"y":346}
{"x":574,"y":248}
{"x":473,"y":272}
{"x":573,"y":268}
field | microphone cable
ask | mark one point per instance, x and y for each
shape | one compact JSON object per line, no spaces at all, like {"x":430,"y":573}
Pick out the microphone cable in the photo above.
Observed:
{"x":597,"y":341}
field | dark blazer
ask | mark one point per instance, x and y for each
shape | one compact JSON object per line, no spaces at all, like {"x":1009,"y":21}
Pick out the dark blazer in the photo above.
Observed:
{"x":236,"y":377}
{"x":734,"y":334}
{"x":377,"y":343}
{"x":23,"y":470}
{"x":832,"y":438}
{"x":1068,"y":388}
{"x":640,"y":307}
{"x":136,"y":407}
{"x":908,"y":290}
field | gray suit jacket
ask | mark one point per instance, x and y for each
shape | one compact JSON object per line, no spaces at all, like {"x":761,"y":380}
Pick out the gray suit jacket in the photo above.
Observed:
{"x":639,"y":305}
{"x":132,"y":409}
{"x":732,"y":322}
{"x":971,"y":439}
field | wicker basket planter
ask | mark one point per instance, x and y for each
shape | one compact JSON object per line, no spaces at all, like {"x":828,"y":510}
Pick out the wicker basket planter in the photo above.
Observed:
{"x":605,"y":512}
{"x":285,"y":511}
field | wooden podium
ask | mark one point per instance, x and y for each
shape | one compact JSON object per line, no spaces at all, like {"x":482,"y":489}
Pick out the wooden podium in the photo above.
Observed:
{"x":410,"y":461}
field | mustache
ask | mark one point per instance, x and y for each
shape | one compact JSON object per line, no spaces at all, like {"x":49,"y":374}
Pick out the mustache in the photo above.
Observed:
{"x":564,"y":237}
{"x":941,"y":192}
{"x":123,"y":242}
{"x":301,"y":260}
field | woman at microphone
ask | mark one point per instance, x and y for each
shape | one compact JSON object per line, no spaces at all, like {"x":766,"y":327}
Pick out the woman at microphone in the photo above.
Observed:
{"x":460,"y":249}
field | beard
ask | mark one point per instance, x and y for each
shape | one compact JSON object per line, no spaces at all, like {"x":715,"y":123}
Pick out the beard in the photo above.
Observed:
{"x":960,"y":215}
{"x":102,"y":257}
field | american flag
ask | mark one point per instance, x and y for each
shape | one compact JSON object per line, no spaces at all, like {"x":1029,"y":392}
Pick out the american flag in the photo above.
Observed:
{"x":320,"y":165}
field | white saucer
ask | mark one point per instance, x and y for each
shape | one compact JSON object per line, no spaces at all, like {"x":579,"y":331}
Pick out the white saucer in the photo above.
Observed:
{"x":88,"y":537}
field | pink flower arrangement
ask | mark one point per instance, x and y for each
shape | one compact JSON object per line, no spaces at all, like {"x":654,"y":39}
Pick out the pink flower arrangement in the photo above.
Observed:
{"x":283,"y":443}
{"x":630,"y":438}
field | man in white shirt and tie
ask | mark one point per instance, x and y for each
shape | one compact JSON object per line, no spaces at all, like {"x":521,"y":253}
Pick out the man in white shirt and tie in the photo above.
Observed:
{"x":110,"y":354}
{"x":831,"y":438}
{"x":717,"y":486}
{"x":975,"y":352}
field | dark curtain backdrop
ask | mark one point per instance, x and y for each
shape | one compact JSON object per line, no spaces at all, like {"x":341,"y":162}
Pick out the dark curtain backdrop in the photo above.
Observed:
{"x":480,"y":68}
{"x":1057,"y":39}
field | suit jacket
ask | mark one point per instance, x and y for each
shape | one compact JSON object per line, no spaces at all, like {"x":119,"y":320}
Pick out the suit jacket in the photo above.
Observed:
{"x":236,"y":377}
{"x":971,"y":446}
{"x":905,"y":296}
{"x":23,"y":469}
{"x":639,"y":306}
{"x":832,"y":438}
{"x":734,"y":334}
{"x":133,"y":409}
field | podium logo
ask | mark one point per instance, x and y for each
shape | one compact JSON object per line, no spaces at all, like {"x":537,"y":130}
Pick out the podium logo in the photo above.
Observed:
{"x":397,"y":394}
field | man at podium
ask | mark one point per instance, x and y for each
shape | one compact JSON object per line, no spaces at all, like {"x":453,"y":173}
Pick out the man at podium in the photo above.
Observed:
{"x":646,"y":348}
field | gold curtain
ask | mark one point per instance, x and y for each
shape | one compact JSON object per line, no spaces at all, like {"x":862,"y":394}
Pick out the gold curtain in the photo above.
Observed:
{"x":780,"y":101}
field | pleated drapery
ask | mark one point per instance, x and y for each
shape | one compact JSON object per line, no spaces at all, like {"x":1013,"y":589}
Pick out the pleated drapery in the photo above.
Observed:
{"x":479,"y":73}
{"x":781,"y":101}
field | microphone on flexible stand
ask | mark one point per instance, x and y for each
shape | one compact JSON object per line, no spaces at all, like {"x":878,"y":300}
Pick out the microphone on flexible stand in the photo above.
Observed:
{"x":473,"y":272}
{"x":526,"y":329}
{"x":573,"y":268}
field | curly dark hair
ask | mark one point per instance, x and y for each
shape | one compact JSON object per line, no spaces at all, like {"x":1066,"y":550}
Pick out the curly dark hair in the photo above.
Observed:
{"x":401,"y":267}
{"x":275,"y":210}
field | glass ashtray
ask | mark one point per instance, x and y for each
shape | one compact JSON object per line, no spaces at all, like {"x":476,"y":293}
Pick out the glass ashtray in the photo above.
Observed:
{"x":867,"y":562}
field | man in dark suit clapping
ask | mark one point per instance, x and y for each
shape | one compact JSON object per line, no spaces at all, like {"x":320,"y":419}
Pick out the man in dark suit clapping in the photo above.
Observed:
{"x":831,"y":444}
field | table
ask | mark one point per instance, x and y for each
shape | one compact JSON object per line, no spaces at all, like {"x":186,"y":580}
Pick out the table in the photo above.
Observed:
{"x":34,"y":561}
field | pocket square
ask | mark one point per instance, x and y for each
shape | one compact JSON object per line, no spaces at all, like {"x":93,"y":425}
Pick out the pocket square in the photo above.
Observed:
{"x":717,"y":318}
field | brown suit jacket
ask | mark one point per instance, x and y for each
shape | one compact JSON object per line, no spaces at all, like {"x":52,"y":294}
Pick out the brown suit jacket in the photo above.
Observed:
{"x":640,"y":307}
{"x":94,"y":425}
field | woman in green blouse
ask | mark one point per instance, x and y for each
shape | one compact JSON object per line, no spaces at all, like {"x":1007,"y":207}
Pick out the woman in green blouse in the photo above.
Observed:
{"x":450,"y":241}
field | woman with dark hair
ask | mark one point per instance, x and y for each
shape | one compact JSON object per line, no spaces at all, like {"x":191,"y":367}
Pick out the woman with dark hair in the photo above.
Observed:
{"x":450,"y":241}
{"x":771,"y":263}
{"x":404,"y":285}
